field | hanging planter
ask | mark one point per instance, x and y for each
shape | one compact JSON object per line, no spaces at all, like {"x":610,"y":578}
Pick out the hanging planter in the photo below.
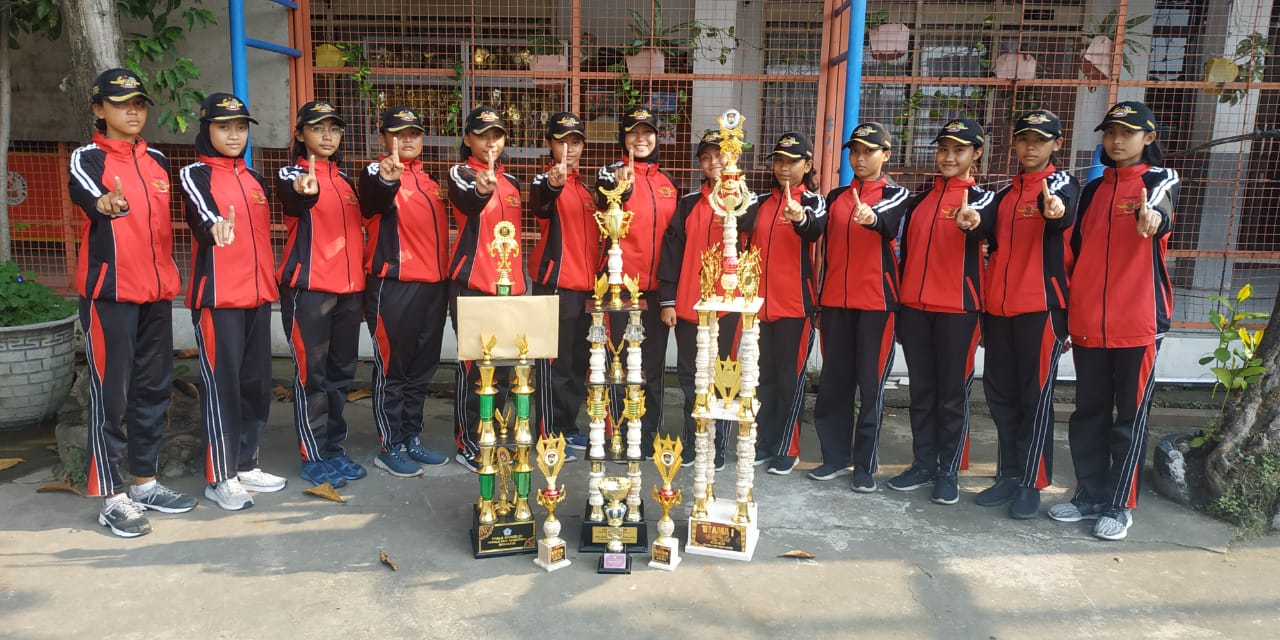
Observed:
{"x":1097,"y":58}
{"x":328,"y":55}
{"x":648,"y":60}
{"x":549,"y":70}
{"x":1218,"y":71}
{"x":1015,"y":66}
{"x":889,"y":42}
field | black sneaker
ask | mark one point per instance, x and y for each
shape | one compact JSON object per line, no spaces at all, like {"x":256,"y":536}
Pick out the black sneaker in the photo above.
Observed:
{"x":719,"y":461}
{"x":161,"y":498}
{"x":1002,"y":492}
{"x":827,"y":472}
{"x":762,"y":458}
{"x":471,"y":464}
{"x":862,"y":481}
{"x":782,"y":465}
{"x":913,"y":478}
{"x":125,"y":518}
{"x":1026,"y":505}
{"x":946,"y":489}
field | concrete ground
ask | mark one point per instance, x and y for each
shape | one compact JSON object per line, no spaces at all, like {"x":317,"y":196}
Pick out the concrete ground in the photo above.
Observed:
{"x":888,"y":564}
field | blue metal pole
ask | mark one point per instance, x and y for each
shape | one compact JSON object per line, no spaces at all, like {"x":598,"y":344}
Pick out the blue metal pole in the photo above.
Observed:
{"x":239,"y":66}
{"x":853,"y":81}
{"x":1095,"y":170}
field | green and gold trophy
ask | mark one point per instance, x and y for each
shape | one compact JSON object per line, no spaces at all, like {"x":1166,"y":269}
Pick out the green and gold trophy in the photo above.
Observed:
{"x":666,"y":549}
{"x":615,"y":558}
{"x":551,"y":548}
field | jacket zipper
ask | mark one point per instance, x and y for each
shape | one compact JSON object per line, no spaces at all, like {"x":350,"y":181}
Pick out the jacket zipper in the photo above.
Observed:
{"x":933,"y":221}
{"x":653,"y":235}
{"x":151,"y":229}
{"x":257,"y":292}
{"x":342,"y":210}
{"x":1013,"y":229}
{"x":1106,"y":272}
{"x":849,"y":244}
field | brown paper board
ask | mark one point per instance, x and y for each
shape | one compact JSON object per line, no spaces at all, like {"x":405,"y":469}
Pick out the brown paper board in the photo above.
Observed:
{"x":507,"y":317}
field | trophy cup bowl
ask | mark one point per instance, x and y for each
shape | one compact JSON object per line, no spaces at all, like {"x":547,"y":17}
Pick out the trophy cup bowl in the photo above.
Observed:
{"x":615,"y":558}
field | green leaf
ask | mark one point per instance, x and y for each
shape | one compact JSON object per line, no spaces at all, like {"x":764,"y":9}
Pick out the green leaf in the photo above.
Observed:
{"x":1223,"y":375}
{"x":1222,"y":354}
{"x":1206,"y":359}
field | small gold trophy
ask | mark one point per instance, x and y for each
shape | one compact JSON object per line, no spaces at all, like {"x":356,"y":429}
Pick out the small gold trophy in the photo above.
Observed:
{"x":615,"y":558}
{"x":666,"y":549}
{"x":504,"y":246}
{"x":551,"y":547}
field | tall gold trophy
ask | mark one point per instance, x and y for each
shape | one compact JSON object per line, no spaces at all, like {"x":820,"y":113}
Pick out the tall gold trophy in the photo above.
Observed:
{"x":666,"y":549}
{"x":551,"y":547}
{"x":725,"y":385}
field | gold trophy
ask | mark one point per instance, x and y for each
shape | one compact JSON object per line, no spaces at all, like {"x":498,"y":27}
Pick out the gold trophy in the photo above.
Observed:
{"x":551,"y":548}
{"x":487,"y":472}
{"x":666,"y":549}
{"x":504,"y":246}
{"x":614,"y":224}
{"x":615,"y":558}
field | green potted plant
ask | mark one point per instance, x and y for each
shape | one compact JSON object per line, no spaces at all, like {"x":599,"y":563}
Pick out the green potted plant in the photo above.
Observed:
{"x":653,"y":40}
{"x":37,"y":350}
{"x":1248,"y":63}
{"x":1100,"y":38}
{"x":548,"y":61}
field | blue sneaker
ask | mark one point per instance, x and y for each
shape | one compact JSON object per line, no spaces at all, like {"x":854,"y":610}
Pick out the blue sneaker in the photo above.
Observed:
{"x":396,"y":461}
{"x":577,"y":441}
{"x":348,"y":468}
{"x":320,"y":472}
{"x":421,"y":453}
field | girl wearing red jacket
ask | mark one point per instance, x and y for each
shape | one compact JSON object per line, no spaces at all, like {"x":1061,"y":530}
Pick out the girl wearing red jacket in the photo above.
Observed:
{"x":565,"y":263}
{"x":127,"y":280}
{"x":1121,"y":304}
{"x":652,"y":198}
{"x":1024,"y":325}
{"x":784,"y":224}
{"x":321,"y":280}
{"x":408,"y":294}
{"x":940,"y":296}
{"x":859,"y":295}
{"x":483,"y":195}
{"x":232,"y":288}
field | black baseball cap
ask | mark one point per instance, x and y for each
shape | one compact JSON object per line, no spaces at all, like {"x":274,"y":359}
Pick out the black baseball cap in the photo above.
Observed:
{"x":117,"y":86}
{"x":871,"y":135}
{"x":482,"y":119}
{"x":709,"y":139}
{"x":1132,"y":114}
{"x":637,"y":116}
{"x":317,"y":110}
{"x":565,"y":124}
{"x":964,"y":131}
{"x":795,"y":145}
{"x":1041,"y":121}
{"x":399,"y":118}
{"x":224,"y":107}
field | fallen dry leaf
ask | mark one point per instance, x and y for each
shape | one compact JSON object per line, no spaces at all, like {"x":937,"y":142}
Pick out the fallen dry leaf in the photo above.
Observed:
{"x":60,"y":486}
{"x":797,"y":553}
{"x":187,"y":354}
{"x":283,"y":393}
{"x":5,"y":463}
{"x":359,"y":394}
{"x":325,"y":491}
{"x":386,"y":559}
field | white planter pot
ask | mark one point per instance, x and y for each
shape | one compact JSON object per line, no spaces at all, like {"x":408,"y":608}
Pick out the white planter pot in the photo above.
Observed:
{"x":1015,"y":66}
{"x":37,"y":365}
{"x":648,"y":61}
{"x":889,"y":41}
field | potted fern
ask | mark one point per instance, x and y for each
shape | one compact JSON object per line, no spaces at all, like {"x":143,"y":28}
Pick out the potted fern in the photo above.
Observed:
{"x":37,"y":349}
{"x":1100,"y":38}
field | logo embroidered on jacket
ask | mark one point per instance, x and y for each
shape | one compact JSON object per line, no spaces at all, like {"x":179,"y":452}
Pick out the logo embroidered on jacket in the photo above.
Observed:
{"x":1128,"y":206}
{"x":1028,"y":209}
{"x":258,"y":197}
{"x":161,"y":185}
{"x":512,"y":201}
{"x":350,"y":198}
{"x":442,"y":193}
{"x":666,"y":191}
{"x":950,"y":213}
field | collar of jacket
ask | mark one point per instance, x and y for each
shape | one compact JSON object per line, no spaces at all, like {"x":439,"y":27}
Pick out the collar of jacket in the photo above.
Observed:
{"x":222,"y":162}
{"x":953,"y":184}
{"x":322,"y":166}
{"x":137,"y":147}
{"x":1023,"y":178}
{"x":1116,"y":174}
{"x":412,"y":166}
{"x":476,"y":164}
{"x":643,"y":168}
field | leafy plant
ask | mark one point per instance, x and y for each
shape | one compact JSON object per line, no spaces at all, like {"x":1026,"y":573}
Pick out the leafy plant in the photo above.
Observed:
{"x":627,"y":94}
{"x":1251,"y":502}
{"x":876,"y":18}
{"x":171,"y":74}
{"x":1249,"y":66}
{"x":546,"y":45}
{"x":1236,"y":366}
{"x":651,"y":31}
{"x":453,"y":111}
{"x":24,"y":301}
{"x":1107,"y":26}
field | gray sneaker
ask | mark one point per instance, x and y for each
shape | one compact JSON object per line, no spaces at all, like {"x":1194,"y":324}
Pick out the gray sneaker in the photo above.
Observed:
{"x":1114,"y":524}
{"x":1075,"y":512}
{"x":161,"y":498}
{"x":125,"y":518}
{"x":229,"y":495}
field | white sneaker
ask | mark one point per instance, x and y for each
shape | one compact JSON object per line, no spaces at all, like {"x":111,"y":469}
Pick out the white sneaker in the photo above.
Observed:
{"x":261,"y":481}
{"x":229,"y":495}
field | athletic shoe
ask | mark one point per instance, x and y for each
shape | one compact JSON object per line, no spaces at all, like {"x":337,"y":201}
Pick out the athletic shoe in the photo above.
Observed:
{"x":1114,"y":524}
{"x":347,"y":468}
{"x":827,"y":472}
{"x":1002,"y":492}
{"x":720,"y":461}
{"x":782,"y":465}
{"x":862,"y":481}
{"x":229,"y":495}
{"x":161,"y":498}
{"x":570,"y":455}
{"x":577,"y":441}
{"x":125,"y":518}
{"x":261,"y":481}
{"x":1074,"y":511}
{"x":945,"y":489}
{"x":320,"y":472}
{"x":913,"y":478}
{"x":422,"y":454}
{"x":1026,"y":505}
{"x":471,"y":464}
{"x":396,"y":461}
{"x":762,"y":458}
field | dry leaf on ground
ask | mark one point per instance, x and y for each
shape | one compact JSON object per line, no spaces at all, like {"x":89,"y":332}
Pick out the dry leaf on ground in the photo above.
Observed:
{"x":797,"y":553}
{"x":386,"y":559}
{"x":5,"y":463}
{"x":60,"y":486}
{"x":325,"y":491}
{"x":187,"y":354}
{"x":283,"y":393}
{"x":359,"y":394}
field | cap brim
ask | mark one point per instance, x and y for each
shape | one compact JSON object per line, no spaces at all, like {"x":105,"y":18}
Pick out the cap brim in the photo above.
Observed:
{"x":640,"y":124}
{"x":486,"y":128}
{"x":341,"y":122}
{"x":866,"y":143}
{"x":129,"y":96}
{"x":565,"y":134}
{"x":230,"y":118}
{"x":405,"y":126}
{"x":793,"y":156}
{"x":960,"y":140}
{"x":1045,"y":134}
{"x":1135,"y":127}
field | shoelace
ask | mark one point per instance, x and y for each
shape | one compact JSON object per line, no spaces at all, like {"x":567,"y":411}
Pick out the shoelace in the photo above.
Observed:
{"x":127,"y":508}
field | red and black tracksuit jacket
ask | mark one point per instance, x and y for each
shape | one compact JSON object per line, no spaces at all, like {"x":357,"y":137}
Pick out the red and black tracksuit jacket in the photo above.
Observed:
{"x":858,"y":296}
{"x":937,"y":323}
{"x":790,"y":294}
{"x":565,"y":262}
{"x":1121,"y":307}
{"x":471,"y":265}
{"x":127,"y":280}
{"x":406,"y":302}
{"x":321,"y":279}
{"x":1024,"y":326}
{"x":231,"y":291}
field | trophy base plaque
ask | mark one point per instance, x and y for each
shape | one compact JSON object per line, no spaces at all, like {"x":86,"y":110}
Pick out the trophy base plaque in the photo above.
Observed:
{"x":719,"y":536}
{"x":502,"y":538}
{"x":666,"y":555}
{"x":552,"y":556}
{"x":595,"y":535}
{"x":614,"y":563}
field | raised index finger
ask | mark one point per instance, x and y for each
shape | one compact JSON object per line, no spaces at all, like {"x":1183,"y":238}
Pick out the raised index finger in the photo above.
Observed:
{"x":1144,"y":197}
{"x":856,"y":198}
{"x":311,"y":165}
{"x":231,"y":214}
{"x":119,"y":189}
{"x":1045,"y":189}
